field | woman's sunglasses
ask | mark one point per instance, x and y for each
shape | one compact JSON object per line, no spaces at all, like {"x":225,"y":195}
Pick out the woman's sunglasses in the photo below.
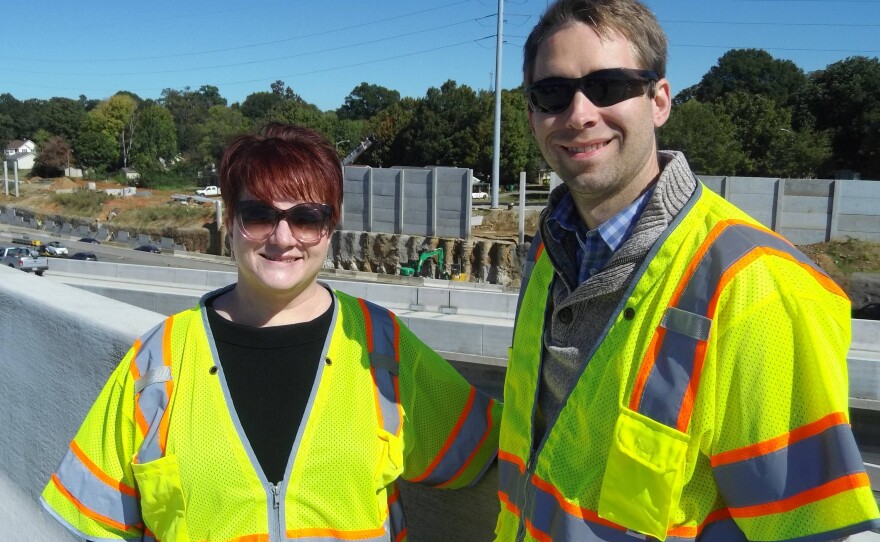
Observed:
{"x":602,"y":87}
{"x":308,"y":221}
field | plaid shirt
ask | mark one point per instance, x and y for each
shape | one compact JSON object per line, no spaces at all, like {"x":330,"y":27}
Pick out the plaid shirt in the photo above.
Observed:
{"x":595,"y":247}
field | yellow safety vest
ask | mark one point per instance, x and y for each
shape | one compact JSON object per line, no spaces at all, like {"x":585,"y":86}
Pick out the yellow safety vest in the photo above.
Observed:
{"x":714,"y":408}
{"x":161,"y":456}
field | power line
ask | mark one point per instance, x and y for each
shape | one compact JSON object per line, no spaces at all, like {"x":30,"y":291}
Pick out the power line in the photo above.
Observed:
{"x":763,"y":23}
{"x":322,"y":33}
{"x":276,"y":77}
{"x":250,"y":62}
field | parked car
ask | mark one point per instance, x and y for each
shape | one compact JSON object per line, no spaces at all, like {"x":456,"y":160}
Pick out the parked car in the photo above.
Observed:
{"x":23,"y":258}
{"x":208,"y":191}
{"x":87,"y":256}
{"x":479,"y":195}
{"x":55,"y":248}
{"x":149,"y":248}
{"x":89,"y":240}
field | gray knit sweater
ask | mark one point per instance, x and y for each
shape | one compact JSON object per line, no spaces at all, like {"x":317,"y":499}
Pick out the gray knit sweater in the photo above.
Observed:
{"x":580,"y":313}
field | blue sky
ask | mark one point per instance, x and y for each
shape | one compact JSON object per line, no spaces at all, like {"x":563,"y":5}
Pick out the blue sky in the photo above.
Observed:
{"x":325,"y":49}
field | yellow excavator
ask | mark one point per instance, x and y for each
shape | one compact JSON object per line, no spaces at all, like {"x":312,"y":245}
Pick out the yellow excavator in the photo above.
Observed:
{"x":414,"y":267}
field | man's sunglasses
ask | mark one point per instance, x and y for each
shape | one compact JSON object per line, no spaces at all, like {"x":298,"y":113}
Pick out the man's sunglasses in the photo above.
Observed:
{"x":308,"y":221}
{"x":602,"y":87}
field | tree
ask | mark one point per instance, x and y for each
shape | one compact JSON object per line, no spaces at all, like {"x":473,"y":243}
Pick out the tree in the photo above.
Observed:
{"x":772,"y":145}
{"x":387,"y":126}
{"x":301,"y":113}
{"x":190,"y":109}
{"x":442,"y":130}
{"x":519,"y":152}
{"x":844,"y":101}
{"x":221,"y":125}
{"x":155,"y":137}
{"x":753,"y":71}
{"x":257,"y":105}
{"x":96,"y":148}
{"x":283,"y":91}
{"x":707,"y":136}
{"x":53,"y":157}
{"x":63,"y":117}
{"x":366,"y":100}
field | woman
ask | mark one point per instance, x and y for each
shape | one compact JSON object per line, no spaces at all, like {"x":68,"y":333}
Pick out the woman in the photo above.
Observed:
{"x":277,"y":409}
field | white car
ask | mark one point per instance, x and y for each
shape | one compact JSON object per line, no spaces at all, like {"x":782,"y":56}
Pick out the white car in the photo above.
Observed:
{"x":55,"y":248}
{"x":208,"y":191}
{"x":479,"y":195}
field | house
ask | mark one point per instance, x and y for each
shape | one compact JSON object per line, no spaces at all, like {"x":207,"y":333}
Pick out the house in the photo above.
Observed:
{"x":19,"y":146}
{"x":20,"y":154}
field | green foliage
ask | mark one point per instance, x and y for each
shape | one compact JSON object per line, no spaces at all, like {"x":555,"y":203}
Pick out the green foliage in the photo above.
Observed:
{"x":442,"y":130}
{"x":63,"y":117}
{"x":154,"y":138}
{"x":753,"y":71}
{"x":366,"y":100}
{"x":172,"y":215}
{"x":95,"y":148}
{"x":219,"y":127}
{"x":81,"y":203}
{"x":257,"y":105}
{"x":773,"y":147}
{"x":844,"y":100}
{"x":751,"y":114}
{"x":707,"y":136}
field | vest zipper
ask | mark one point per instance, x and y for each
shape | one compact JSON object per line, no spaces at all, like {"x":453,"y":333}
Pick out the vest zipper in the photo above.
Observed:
{"x":275,"y":520}
{"x":525,"y":499}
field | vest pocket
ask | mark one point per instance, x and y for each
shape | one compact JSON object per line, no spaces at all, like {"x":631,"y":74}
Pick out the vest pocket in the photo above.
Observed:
{"x":162,"y":503}
{"x":644,"y":474}
{"x":390,"y":465}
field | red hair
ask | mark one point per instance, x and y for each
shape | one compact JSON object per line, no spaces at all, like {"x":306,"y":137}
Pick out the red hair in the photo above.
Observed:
{"x":282,"y":161}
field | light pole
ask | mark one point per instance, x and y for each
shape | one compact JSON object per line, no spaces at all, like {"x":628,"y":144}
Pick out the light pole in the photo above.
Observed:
{"x":338,"y":143}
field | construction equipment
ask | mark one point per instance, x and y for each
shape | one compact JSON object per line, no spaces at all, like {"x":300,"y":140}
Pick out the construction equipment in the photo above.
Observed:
{"x":359,"y":150}
{"x":414,"y":267}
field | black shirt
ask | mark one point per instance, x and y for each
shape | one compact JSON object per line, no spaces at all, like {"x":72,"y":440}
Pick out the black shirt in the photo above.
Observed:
{"x":270,"y":372}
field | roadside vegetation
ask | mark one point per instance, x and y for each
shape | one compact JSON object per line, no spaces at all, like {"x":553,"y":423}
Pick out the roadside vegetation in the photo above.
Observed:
{"x":81,"y":203}
{"x":165,"y":216}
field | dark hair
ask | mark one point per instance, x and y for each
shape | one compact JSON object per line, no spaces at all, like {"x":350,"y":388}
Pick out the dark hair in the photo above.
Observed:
{"x":629,"y":17}
{"x":282,"y":161}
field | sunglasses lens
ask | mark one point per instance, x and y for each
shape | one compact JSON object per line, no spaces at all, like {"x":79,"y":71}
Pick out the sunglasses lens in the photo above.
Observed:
{"x":551,"y":96}
{"x":257,"y":221}
{"x":606,"y":92}
{"x":308,"y":221}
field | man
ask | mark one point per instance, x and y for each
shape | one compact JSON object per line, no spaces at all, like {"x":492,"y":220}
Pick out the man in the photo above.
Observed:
{"x":678,"y":371}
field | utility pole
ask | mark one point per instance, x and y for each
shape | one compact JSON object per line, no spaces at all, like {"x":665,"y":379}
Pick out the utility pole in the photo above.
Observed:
{"x":496,"y":143}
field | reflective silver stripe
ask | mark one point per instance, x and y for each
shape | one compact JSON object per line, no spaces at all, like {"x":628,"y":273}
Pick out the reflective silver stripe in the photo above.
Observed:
{"x":153,"y":376}
{"x":528,"y":268}
{"x":153,"y":399}
{"x":395,"y":516}
{"x":687,"y":323}
{"x":385,"y":361}
{"x":674,"y":365}
{"x":381,"y":361}
{"x":95,"y":494}
{"x":548,"y":519}
{"x":467,"y":442}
